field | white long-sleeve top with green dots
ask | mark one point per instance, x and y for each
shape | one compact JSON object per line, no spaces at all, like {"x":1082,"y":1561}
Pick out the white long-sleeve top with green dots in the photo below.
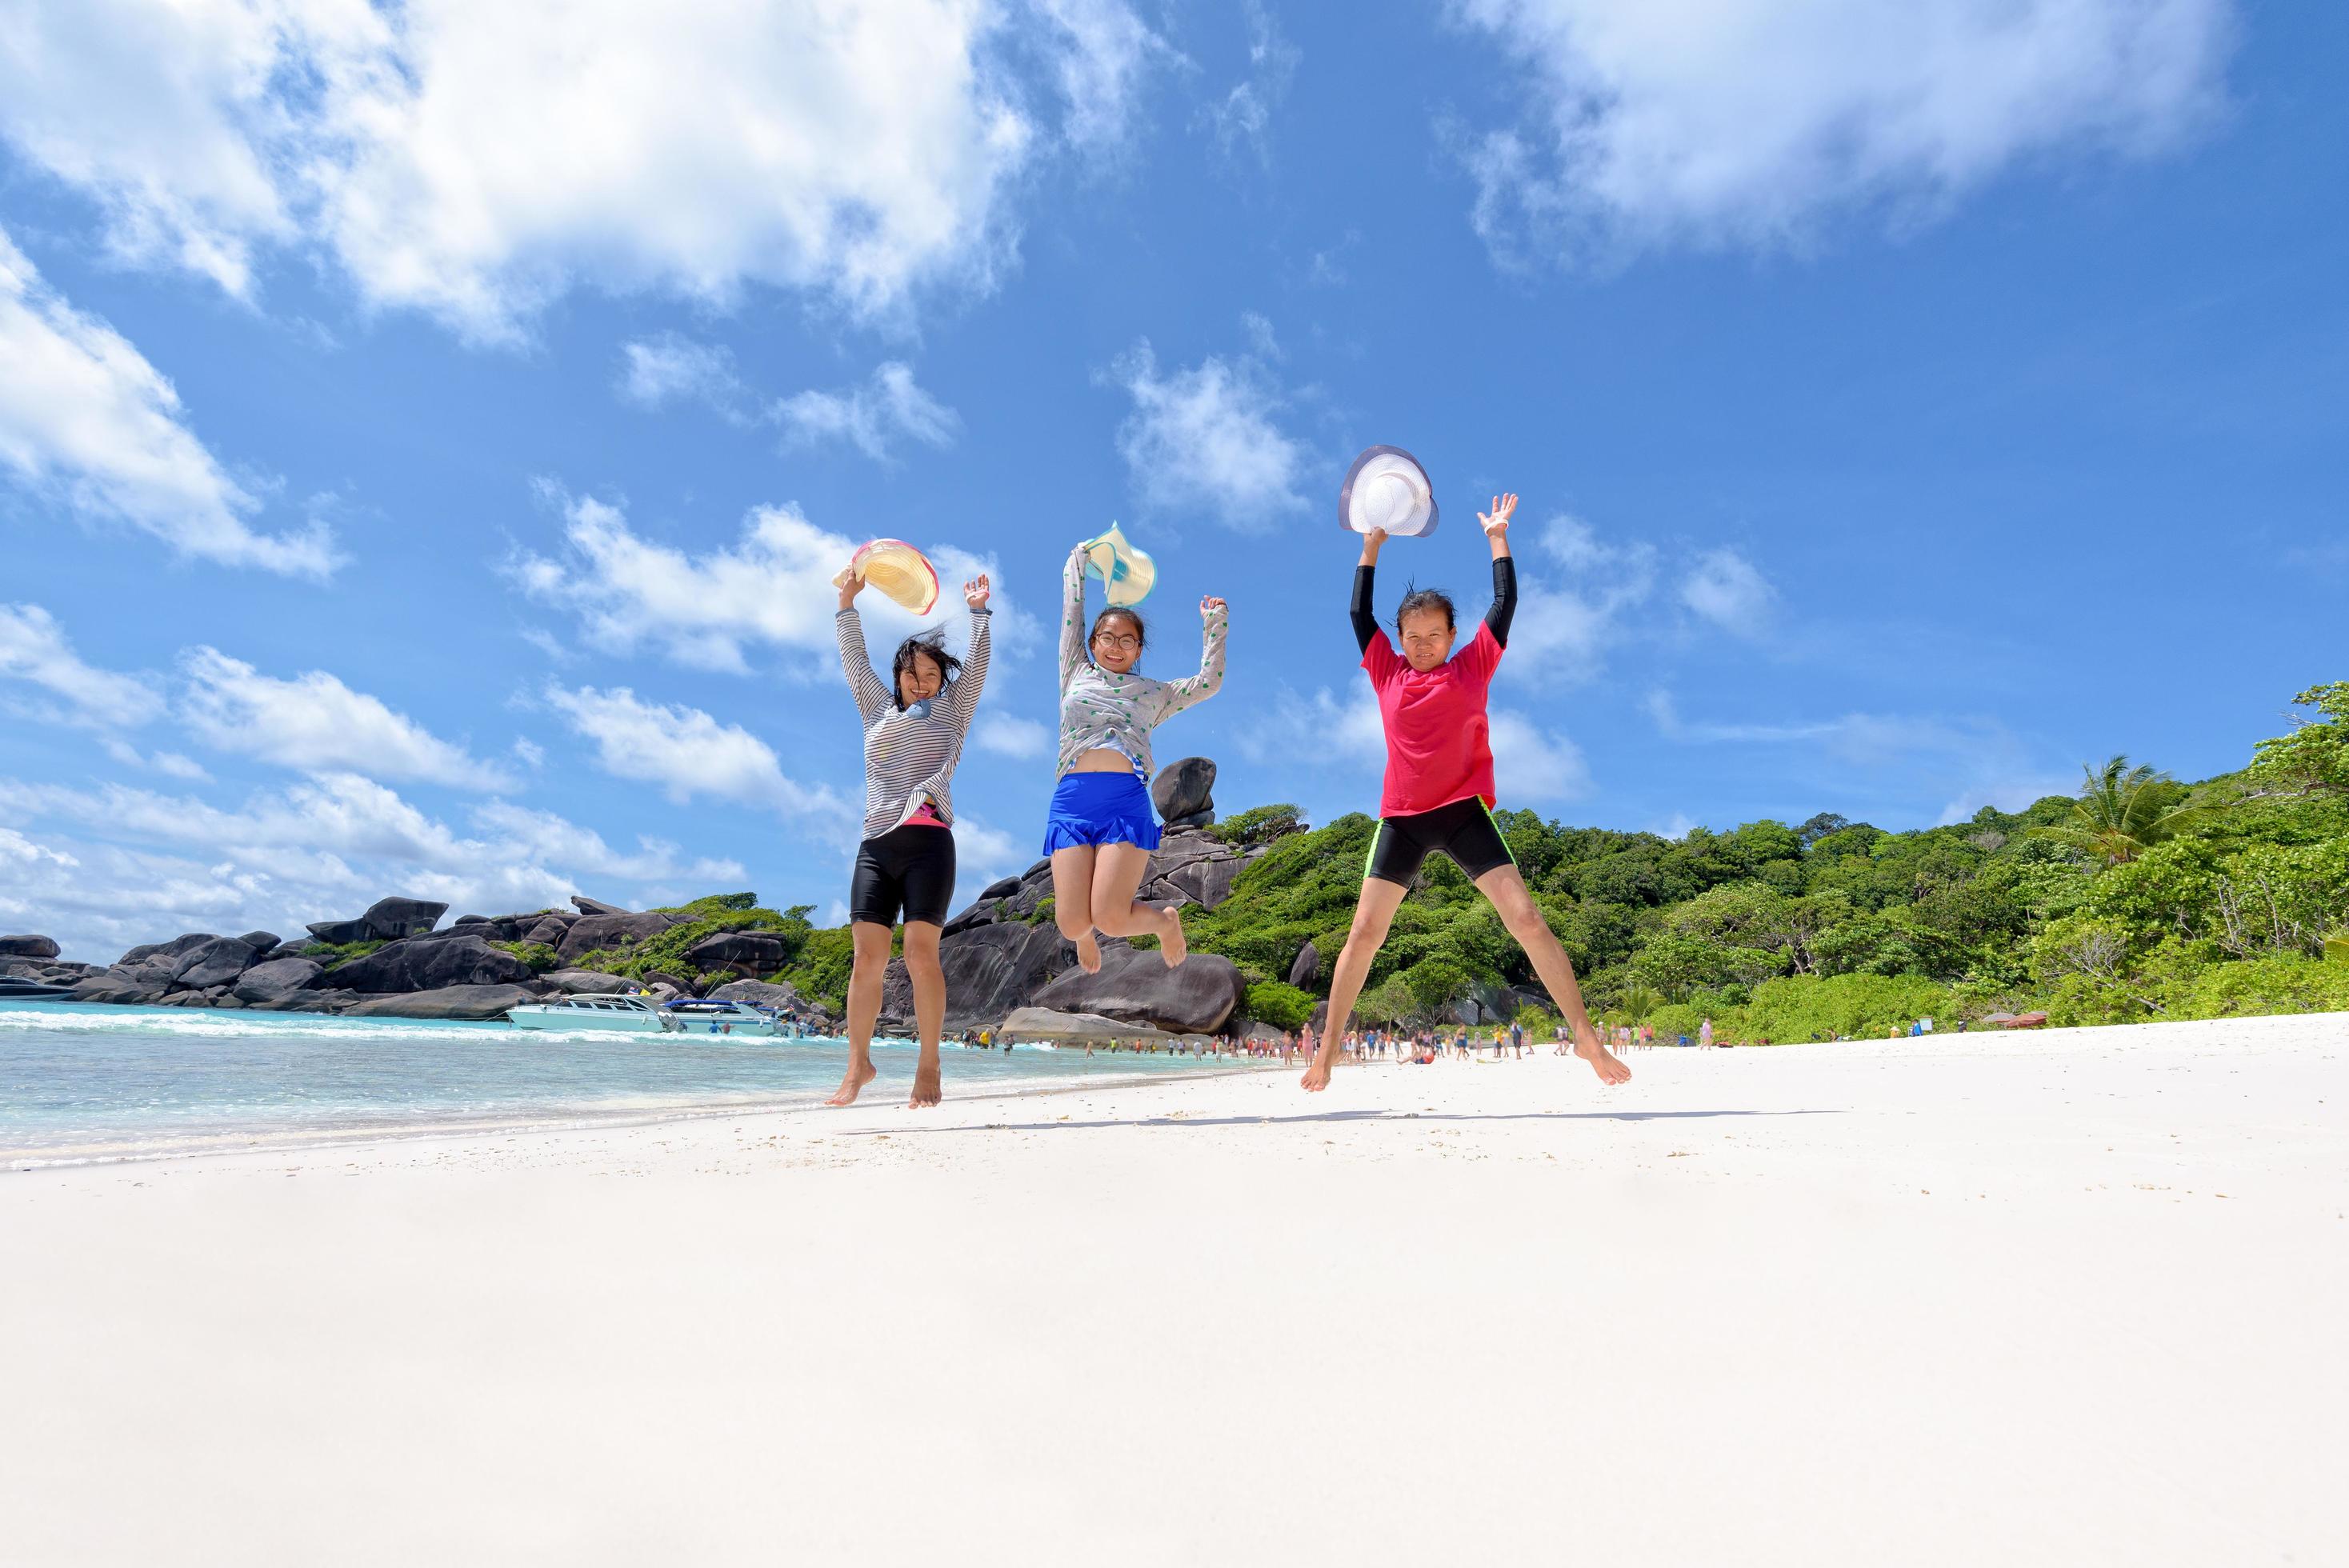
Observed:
{"x":1100,"y":711}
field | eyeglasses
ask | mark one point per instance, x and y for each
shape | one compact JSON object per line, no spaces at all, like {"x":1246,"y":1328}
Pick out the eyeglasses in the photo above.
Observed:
{"x":1114,"y":640}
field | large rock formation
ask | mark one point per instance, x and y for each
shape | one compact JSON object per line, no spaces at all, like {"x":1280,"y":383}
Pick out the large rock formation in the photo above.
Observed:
{"x":618,"y":930}
{"x":448,"y":1002}
{"x":172,"y":949}
{"x":393,"y":918}
{"x":1307,"y":967}
{"x":28,"y":947}
{"x":276,"y":978}
{"x":585,"y":982}
{"x":763,"y":993}
{"x":215,"y":963}
{"x":750,"y":953}
{"x":1044,"y":1024}
{"x":404,"y":967}
{"x":340,"y":933}
{"x":1193,"y":999}
{"x":989,"y":969}
{"x":1184,"y":792}
{"x":999,"y":957}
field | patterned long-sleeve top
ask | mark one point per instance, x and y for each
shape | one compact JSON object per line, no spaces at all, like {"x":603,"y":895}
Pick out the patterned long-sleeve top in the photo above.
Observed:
{"x":1104,"y":711}
{"x":910,"y":753}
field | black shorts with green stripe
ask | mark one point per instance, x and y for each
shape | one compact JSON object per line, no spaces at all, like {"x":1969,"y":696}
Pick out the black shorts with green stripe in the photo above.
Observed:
{"x":1465,"y":829}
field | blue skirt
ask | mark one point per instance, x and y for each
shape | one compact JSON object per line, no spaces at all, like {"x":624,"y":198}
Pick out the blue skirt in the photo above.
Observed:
{"x":1100,"y":809}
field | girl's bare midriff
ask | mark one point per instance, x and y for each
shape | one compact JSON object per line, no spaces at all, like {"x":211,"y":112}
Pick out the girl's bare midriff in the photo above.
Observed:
{"x":1103,"y":759}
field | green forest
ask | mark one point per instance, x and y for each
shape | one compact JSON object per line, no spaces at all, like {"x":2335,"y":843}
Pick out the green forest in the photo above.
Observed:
{"x":2139,"y":898}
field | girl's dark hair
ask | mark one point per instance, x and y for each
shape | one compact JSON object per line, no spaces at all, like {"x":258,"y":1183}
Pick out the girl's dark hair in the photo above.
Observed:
{"x":1119,"y":611}
{"x":1425,"y":599}
{"x":908,"y":650}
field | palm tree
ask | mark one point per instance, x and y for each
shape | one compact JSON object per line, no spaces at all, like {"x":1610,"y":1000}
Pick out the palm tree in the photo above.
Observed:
{"x":1637,"y":1003}
{"x":2123,"y":811}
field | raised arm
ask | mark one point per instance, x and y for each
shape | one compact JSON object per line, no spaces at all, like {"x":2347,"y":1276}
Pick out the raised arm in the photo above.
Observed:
{"x":1504,"y":571}
{"x":1366,"y":619}
{"x":1073,"y":616}
{"x":871,"y":695}
{"x":962,"y":697}
{"x":1214,"y":622}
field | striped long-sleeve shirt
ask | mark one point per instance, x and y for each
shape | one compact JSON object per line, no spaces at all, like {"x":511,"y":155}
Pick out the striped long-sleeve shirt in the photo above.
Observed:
{"x":1100,"y":711}
{"x":910,"y":755}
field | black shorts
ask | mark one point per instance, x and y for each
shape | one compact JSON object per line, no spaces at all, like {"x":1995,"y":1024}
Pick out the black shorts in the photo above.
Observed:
{"x":1463,"y":829}
{"x":910,"y":868}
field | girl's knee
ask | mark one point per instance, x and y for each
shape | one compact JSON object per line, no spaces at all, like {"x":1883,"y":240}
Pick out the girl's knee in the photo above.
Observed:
{"x":1073,"y":923}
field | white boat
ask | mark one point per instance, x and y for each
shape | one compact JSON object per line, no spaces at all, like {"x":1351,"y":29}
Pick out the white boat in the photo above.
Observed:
{"x":702,"y":1016}
{"x":593,"y":1010}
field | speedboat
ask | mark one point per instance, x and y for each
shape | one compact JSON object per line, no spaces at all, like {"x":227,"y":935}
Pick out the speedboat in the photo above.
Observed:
{"x":593,"y":1010}
{"x":703,"y":1015}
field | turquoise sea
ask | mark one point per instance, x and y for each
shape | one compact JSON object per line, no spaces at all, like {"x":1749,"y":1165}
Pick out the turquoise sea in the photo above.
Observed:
{"x":84,"y":1081}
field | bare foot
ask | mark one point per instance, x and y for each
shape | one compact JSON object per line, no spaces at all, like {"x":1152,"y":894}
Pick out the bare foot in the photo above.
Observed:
{"x":1602,"y":1062}
{"x":861,"y":1072}
{"x":1172,"y":943}
{"x":1088,"y":953}
{"x":1316,"y":1073}
{"x":926,"y":1086}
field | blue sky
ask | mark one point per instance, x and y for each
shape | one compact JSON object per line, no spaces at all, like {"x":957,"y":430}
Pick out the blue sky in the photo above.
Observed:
{"x":423,"y":447}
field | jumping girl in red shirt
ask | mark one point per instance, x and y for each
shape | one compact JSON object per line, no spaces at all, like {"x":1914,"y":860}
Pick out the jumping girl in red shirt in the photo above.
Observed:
{"x":1439,"y":788}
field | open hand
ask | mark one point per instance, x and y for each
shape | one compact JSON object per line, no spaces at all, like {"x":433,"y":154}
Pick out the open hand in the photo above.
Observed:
{"x":1497,"y":521}
{"x":975,"y":592}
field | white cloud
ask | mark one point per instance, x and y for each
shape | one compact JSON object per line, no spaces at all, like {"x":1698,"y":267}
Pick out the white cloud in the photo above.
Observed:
{"x":476,"y":161}
{"x":34,"y":649}
{"x":1562,"y":631}
{"x":86,"y":422}
{"x":323,"y":848}
{"x":669,"y":369}
{"x":1310,"y":727}
{"x":771,"y":588}
{"x":1748,"y":122}
{"x":317,"y":724}
{"x":171,"y":764}
{"x":1729,"y":590}
{"x":869,"y":417}
{"x":1100,"y":50}
{"x":1242,"y":116}
{"x":1008,"y":737}
{"x":688,"y":753}
{"x":1207,"y":440}
{"x":984,"y":854}
{"x":1533,"y":765}
{"x":15,"y":847}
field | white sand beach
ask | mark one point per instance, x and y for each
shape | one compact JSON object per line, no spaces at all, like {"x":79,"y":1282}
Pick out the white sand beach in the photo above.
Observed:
{"x":2074,"y":1297}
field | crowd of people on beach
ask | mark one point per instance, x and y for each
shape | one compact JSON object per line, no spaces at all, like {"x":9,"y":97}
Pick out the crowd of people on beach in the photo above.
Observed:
{"x":1101,"y":829}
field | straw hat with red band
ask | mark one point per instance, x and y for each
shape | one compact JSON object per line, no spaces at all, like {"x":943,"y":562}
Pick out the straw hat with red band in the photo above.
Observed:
{"x":898,"y":569}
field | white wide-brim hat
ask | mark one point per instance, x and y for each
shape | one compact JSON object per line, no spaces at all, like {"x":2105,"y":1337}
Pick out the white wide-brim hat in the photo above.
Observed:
{"x":1127,"y":574}
{"x":1386,"y":489}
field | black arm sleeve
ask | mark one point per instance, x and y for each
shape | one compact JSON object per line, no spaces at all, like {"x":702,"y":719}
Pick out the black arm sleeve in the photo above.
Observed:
{"x":1504,"y":599}
{"x":1366,"y":623}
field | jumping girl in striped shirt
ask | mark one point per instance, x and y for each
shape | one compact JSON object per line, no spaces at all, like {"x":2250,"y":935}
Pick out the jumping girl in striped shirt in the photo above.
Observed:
{"x":913,"y":730}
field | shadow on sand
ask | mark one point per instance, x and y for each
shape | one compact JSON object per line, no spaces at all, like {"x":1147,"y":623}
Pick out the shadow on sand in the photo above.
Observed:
{"x":1328,"y":1116}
